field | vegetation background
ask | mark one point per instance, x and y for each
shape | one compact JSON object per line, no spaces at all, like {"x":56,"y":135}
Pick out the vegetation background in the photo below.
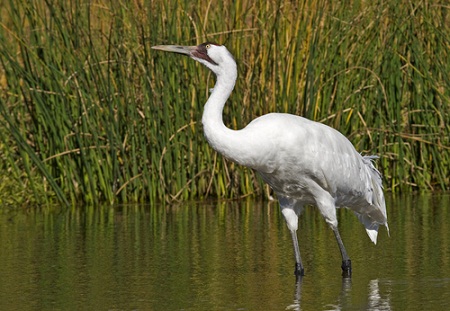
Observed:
{"x":89,"y":114}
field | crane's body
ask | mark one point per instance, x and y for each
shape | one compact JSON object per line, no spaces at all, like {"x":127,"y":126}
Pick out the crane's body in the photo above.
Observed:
{"x":303,"y":161}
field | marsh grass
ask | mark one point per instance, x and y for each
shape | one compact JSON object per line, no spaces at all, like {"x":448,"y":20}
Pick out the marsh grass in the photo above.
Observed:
{"x":90,"y":114}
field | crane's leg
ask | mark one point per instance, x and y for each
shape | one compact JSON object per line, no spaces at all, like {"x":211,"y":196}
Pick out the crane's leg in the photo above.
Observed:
{"x":346,"y":262}
{"x":290,"y":210}
{"x":299,"y":270}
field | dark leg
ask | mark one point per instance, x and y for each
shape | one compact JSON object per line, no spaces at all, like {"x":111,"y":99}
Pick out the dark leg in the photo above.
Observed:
{"x":346,"y":262}
{"x":299,"y":271}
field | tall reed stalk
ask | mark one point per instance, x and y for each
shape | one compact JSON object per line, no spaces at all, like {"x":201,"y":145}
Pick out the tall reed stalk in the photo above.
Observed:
{"x":90,"y":114}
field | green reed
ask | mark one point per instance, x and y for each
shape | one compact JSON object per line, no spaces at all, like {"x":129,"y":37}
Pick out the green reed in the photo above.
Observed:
{"x":90,"y":114}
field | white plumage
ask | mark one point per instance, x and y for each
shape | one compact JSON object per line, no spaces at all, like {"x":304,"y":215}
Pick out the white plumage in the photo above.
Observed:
{"x":303,"y":161}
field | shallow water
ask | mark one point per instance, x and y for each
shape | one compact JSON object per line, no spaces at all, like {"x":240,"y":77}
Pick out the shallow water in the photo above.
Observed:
{"x":221,"y":256}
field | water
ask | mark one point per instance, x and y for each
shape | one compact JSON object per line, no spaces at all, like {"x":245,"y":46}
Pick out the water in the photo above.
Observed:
{"x":221,"y":256}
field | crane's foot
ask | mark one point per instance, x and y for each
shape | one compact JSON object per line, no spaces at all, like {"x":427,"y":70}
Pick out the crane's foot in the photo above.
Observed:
{"x":346,"y":268}
{"x":299,"y":271}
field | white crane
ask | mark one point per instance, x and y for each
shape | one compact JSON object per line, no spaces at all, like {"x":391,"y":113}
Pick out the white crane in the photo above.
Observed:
{"x":303,"y":161}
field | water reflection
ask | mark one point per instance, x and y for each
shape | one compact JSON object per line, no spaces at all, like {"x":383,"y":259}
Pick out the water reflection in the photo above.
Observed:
{"x":375,"y":300}
{"x":297,"y":296}
{"x":221,"y":256}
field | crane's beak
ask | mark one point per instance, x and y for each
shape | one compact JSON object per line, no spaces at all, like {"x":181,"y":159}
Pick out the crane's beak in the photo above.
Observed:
{"x":186,"y":50}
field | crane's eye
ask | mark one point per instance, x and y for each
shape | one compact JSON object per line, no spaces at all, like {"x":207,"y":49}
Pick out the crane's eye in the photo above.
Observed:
{"x":208,"y":46}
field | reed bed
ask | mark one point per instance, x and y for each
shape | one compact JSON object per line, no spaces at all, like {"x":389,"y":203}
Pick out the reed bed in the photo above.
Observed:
{"x":90,"y":114}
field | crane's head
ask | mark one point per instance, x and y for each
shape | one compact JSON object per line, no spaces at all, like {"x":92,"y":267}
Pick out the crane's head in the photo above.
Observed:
{"x":215,"y":57}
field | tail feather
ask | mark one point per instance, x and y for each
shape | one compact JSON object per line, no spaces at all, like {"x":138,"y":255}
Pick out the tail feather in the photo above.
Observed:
{"x":377,"y":216}
{"x":371,"y":227}
{"x":373,"y":234}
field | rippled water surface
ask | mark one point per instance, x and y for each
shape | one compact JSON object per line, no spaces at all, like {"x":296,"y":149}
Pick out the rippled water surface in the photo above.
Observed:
{"x":221,"y":256}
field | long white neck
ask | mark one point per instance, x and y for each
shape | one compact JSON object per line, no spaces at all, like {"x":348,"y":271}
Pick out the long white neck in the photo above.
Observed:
{"x":226,"y":141}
